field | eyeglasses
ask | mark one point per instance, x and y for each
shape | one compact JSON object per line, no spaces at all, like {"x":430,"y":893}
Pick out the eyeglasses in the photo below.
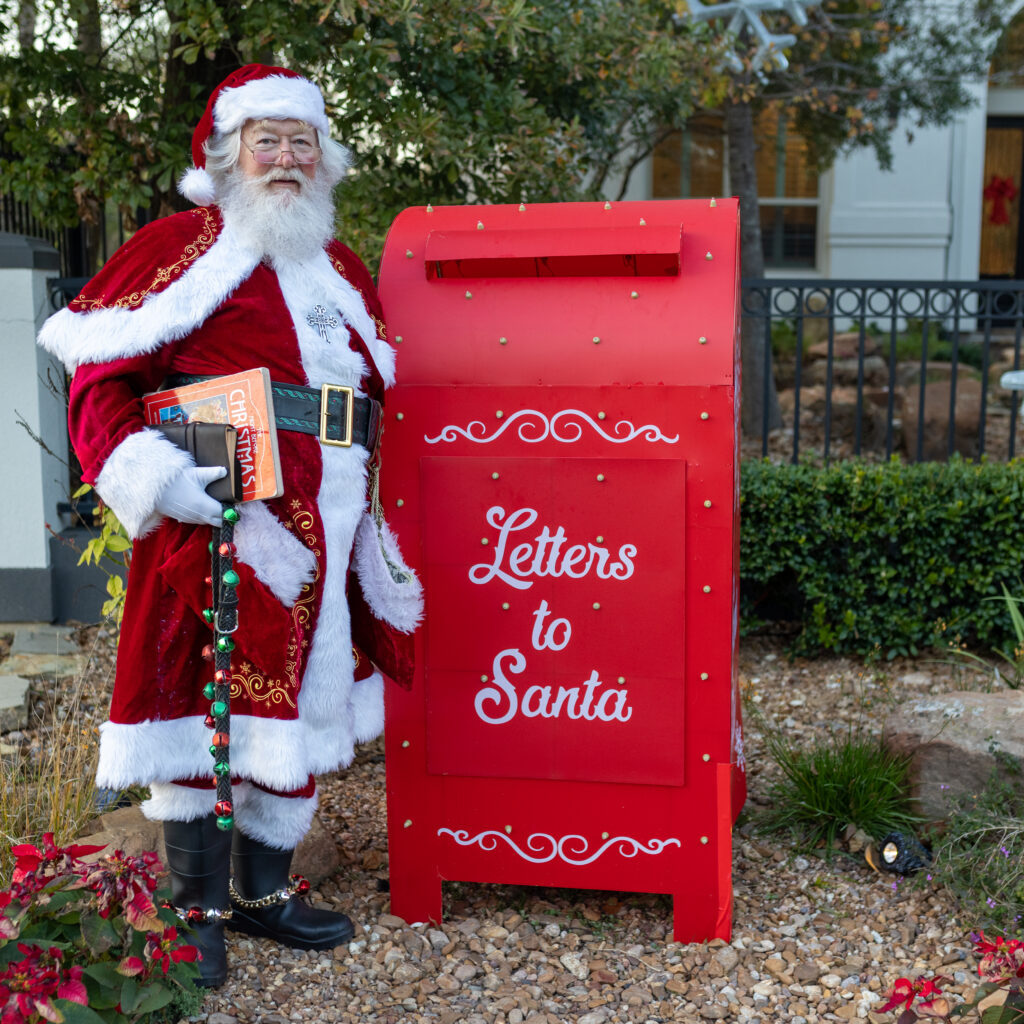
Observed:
{"x":267,"y":149}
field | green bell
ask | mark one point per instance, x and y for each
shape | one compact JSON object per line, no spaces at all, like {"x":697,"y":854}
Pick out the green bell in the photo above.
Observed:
{"x":231,"y":578}
{"x":208,"y":614}
{"x":217,"y":708}
{"x":222,"y":768}
{"x":225,"y":643}
{"x":225,"y":823}
{"x":209,"y":690}
{"x":231,"y":515}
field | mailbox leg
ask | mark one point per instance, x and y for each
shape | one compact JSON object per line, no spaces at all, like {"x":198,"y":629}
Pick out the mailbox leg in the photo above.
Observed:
{"x":416,"y":897}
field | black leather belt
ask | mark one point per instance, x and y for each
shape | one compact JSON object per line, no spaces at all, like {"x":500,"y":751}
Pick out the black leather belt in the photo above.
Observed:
{"x":333,"y":413}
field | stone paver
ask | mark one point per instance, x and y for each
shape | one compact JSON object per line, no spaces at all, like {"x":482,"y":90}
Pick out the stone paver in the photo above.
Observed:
{"x":13,"y":703}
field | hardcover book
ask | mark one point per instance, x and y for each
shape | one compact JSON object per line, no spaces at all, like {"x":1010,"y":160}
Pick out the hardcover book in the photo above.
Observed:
{"x":242,"y":400}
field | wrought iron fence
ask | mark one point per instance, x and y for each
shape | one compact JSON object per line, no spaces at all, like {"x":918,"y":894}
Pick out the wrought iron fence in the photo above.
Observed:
{"x":873,"y":368}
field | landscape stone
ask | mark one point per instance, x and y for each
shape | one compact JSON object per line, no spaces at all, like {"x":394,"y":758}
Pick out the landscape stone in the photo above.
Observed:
{"x":13,"y":703}
{"x":949,"y":739}
{"x":966,"y":417}
{"x":42,"y":639}
{"x":61,"y":666}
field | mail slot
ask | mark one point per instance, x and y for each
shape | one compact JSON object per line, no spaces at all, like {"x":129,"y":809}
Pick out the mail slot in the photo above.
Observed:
{"x":562,"y":469}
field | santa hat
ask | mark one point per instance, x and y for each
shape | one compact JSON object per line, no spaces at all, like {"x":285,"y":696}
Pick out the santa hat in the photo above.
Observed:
{"x":255,"y":91}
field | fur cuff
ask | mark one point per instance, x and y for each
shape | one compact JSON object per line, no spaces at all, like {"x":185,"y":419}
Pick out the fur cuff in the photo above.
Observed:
{"x":400,"y":604}
{"x":278,"y":821}
{"x":135,"y":475}
{"x":170,"y":802}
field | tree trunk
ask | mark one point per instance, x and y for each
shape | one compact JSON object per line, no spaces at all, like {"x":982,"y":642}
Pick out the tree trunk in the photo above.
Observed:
{"x":26,"y":26}
{"x":759,"y":396}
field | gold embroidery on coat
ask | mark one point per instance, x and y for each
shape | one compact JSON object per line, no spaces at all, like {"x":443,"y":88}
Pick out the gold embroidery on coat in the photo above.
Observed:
{"x":190,"y":254}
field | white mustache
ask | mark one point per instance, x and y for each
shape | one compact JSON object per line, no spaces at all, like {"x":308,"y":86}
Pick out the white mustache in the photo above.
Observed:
{"x":285,"y":174}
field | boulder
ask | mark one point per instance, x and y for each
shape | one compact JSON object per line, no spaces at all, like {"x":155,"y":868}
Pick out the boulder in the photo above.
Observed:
{"x":966,"y":419}
{"x":845,"y":345}
{"x":950,"y":740}
{"x":13,"y":703}
{"x":845,"y":372}
{"x":128,"y":829}
{"x":908,"y":374}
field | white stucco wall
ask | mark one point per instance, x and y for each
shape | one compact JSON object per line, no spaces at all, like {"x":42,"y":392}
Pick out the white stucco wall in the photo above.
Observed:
{"x":34,"y":482}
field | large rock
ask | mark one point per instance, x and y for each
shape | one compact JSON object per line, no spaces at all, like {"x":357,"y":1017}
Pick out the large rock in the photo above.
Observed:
{"x":950,"y":739}
{"x":128,"y":829}
{"x":845,"y":372}
{"x":845,"y":345}
{"x":966,"y":419}
{"x":13,"y":703}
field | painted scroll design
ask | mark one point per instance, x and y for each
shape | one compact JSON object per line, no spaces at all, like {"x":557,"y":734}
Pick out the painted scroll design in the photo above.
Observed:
{"x":566,"y":426}
{"x":571,"y":848}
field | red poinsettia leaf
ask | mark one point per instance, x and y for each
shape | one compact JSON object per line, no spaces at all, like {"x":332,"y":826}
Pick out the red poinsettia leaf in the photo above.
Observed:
{"x":74,"y":990}
{"x":902,"y":994}
{"x":186,"y":953}
{"x":48,"y":1011}
{"x":130,"y":966}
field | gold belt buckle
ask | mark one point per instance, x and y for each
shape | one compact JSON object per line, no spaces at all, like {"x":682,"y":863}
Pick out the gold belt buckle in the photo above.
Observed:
{"x":325,"y":391}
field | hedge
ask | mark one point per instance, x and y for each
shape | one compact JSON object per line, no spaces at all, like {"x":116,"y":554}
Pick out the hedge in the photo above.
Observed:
{"x":882,"y":559}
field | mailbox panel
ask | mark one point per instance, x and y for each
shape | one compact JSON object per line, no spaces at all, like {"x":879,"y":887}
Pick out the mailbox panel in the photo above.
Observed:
{"x":561,"y":469}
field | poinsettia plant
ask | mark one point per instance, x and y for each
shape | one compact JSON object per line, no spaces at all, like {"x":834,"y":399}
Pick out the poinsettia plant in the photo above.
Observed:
{"x":1001,"y":970}
{"x":86,"y":941}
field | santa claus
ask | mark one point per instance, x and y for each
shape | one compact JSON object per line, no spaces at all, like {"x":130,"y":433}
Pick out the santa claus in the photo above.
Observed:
{"x":250,"y":277}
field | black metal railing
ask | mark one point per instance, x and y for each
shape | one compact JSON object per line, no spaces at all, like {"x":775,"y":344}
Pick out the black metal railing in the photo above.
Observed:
{"x":881,"y":367}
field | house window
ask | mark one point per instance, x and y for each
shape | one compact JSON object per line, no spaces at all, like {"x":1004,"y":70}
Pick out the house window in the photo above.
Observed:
{"x":695,"y":162}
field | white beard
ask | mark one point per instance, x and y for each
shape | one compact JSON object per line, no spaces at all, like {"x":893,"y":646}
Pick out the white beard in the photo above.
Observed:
{"x":280,"y":225}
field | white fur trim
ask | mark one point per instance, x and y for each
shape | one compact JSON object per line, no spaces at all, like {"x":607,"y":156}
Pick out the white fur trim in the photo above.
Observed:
{"x":107,"y":334}
{"x":368,"y":708}
{"x":168,"y":802}
{"x":276,"y":96}
{"x":197,"y":186}
{"x":279,"y":754}
{"x":280,"y":560}
{"x":384,"y":357}
{"x":277,"y":821}
{"x":135,"y":475}
{"x":400,"y":604}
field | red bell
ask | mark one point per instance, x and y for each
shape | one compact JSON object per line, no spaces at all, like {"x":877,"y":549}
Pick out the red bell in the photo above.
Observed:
{"x":221,"y":739}
{"x":301,"y":884}
{"x":195,"y":915}
{"x":222,"y":676}
{"x":222,"y":808}
{"x":209,"y":581}
{"x":227,"y":548}
{"x":208,"y":652}
{"x":209,"y":722}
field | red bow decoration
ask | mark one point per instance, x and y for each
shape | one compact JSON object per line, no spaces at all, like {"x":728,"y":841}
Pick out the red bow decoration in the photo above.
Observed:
{"x":1001,"y":191}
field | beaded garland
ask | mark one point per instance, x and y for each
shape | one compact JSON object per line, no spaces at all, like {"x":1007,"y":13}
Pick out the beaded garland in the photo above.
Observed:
{"x":223,"y":617}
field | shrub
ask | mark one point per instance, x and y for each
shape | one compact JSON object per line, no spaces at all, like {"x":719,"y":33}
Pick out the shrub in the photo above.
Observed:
{"x":881,"y":558}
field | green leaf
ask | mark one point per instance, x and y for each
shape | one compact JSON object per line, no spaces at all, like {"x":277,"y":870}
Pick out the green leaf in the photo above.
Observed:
{"x":1002,"y":1015}
{"x":75,"y":1013}
{"x":98,"y":932}
{"x":154,"y":998}
{"x":130,"y":995}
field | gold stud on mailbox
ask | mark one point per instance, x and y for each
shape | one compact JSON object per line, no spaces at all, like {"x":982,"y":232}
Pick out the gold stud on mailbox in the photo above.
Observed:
{"x":498,"y":414}
{"x":400,"y":502}
{"x":706,"y":589}
{"x":479,"y":225}
{"x":398,"y":340}
{"x":399,"y":415}
{"x":604,"y":835}
{"x":704,"y":676}
{"x":407,"y":823}
{"x":522,"y":208}
{"x":607,"y":206}
{"x":600,"y":415}
{"x":600,"y":539}
{"x":483,"y":679}
{"x":634,"y":295}
{"x":408,"y":254}
{"x":430,"y":209}
{"x":600,"y":478}
{"x":508,"y":829}
{"x":714,"y":203}
{"x":702,"y":340}
{"x":705,"y":757}
{"x":405,"y":743}
{"x":704,"y":840}
{"x":707,"y":503}
{"x":469,"y":295}
{"x":597,"y":340}
{"x":505,"y":606}
{"x":708,"y":256}
{"x":621,"y":680}
{"x":597,"y":606}
{"x":643,"y":223}
{"x":703,"y":415}
{"x":503,"y":341}
{"x":495,"y":476}
{"x":484,"y":541}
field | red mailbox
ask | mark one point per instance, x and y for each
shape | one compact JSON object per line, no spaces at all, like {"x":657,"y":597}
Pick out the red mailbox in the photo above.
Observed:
{"x":562,"y":469}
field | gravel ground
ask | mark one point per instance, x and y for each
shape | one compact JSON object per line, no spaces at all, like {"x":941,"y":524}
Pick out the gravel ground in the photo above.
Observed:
{"x":812,"y":940}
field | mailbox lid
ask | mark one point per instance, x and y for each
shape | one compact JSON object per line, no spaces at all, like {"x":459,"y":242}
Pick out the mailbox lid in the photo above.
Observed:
{"x":569,"y":293}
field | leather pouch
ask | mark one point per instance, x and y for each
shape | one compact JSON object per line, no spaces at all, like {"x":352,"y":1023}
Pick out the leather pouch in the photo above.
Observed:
{"x":211,"y":444}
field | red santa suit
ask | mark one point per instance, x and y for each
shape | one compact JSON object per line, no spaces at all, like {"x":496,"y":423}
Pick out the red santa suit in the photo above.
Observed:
{"x":186,"y":296}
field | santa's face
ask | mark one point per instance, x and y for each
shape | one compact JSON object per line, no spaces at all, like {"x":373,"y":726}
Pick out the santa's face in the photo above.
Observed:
{"x":280,"y":152}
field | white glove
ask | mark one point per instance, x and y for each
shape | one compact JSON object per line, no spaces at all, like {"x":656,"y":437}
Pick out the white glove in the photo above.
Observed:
{"x":185,"y":497}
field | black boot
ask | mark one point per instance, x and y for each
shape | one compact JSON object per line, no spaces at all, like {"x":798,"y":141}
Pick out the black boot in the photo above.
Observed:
{"x":264,"y":901}
{"x":199,"y":860}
